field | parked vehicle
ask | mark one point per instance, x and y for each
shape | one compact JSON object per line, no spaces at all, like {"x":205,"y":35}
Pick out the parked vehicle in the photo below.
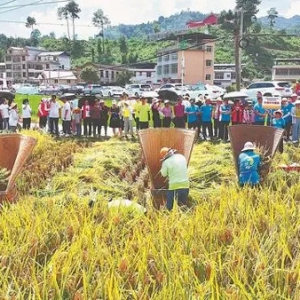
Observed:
{"x":112,"y":91}
{"x":49,"y":90}
{"x":197,"y":90}
{"x":137,"y":89}
{"x":92,"y":89}
{"x":64,"y":88}
{"x":281,"y":88}
{"x":76,"y":89}
{"x":176,"y":88}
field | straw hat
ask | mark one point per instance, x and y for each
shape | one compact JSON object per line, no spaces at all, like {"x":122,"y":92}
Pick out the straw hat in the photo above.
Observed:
{"x":284,"y":100}
{"x":294,"y":95}
{"x":166,"y":101}
{"x":114,"y":102}
{"x":13,"y":104}
{"x":248,"y":146}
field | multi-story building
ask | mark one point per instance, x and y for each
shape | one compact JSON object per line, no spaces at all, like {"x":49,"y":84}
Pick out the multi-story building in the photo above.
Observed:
{"x":143,"y":73}
{"x":287,"y":69}
{"x":3,"y":83}
{"x":224,"y":74}
{"x":107,"y":73}
{"x":26,"y":64}
{"x":190,"y":59}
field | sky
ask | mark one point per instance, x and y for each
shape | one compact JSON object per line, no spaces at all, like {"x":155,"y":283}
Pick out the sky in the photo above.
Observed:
{"x":118,"y":11}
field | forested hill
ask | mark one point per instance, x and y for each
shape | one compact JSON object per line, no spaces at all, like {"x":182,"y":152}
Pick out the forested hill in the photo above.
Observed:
{"x":178,"y":22}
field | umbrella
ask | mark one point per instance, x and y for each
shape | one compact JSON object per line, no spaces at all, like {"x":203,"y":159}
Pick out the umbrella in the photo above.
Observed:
{"x":168,"y":95}
{"x":232,"y":95}
{"x":7,"y":95}
{"x":68,"y":96}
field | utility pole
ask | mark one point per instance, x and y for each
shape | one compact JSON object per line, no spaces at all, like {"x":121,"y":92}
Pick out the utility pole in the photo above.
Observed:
{"x":238,"y":50}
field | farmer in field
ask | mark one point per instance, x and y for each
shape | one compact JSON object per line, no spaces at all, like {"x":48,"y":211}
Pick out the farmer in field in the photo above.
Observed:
{"x":248,"y":164}
{"x":174,"y":167}
{"x":279,"y":122}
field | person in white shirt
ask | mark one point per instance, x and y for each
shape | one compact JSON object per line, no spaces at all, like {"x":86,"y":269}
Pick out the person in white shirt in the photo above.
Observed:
{"x":4,"y":110}
{"x":26,"y":114}
{"x":66,"y":117}
{"x":54,"y":115}
{"x":13,"y":117}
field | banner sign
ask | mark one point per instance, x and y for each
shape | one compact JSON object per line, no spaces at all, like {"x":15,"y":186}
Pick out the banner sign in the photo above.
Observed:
{"x":271,"y":102}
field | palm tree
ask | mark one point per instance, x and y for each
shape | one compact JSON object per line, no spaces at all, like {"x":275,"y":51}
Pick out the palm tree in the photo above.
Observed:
{"x":30,"y":22}
{"x":63,"y":13}
{"x":73,"y":10}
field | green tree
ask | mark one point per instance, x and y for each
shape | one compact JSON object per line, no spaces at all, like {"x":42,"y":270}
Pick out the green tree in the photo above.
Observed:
{"x":156,"y":27}
{"x":35,"y":37}
{"x":73,"y":11}
{"x":63,"y":13}
{"x":89,"y":75}
{"x":30,"y":22}
{"x":99,"y":50}
{"x":101,"y":21}
{"x":272,"y":15}
{"x":124,"y":77}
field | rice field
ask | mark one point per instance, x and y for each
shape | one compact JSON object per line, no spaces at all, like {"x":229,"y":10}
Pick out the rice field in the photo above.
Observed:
{"x":231,"y":244}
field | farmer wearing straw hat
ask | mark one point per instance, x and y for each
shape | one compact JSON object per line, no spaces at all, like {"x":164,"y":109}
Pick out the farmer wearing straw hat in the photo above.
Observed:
{"x":13,"y":117}
{"x":174,"y":167}
{"x":248,"y":164}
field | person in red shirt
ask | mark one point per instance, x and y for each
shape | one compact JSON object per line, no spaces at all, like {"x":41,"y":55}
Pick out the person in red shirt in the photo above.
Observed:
{"x":179,"y":120}
{"x":86,"y":116}
{"x":43,"y":113}
{"x":237,"y":115}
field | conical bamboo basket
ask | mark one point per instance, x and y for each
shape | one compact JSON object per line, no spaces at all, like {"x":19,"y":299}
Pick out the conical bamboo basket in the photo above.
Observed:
{"x":14,"y":151}
{"x":262,"y":136}
{"x":152,"y":140}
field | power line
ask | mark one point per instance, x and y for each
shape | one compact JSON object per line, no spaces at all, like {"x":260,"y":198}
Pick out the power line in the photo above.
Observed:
{"x":15,"y":7}
{"x":7,"y":3}
{"x":38,"y":23}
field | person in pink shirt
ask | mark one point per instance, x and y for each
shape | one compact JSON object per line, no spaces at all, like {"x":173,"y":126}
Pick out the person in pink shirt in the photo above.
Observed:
{"x":216,"y":116}
{"x":248,"y":115}
{"x":179,"y":115}
{"x":86,"y":116}
{"x":167,"y":114}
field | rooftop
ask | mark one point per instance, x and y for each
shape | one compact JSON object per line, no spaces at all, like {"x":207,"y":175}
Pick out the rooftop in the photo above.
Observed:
{"x":61,"y":74}
{"x":53,"y":53}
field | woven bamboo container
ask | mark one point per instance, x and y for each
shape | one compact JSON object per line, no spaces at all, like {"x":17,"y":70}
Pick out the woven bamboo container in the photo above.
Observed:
{"x":15,"y":150}
{"x":262,"y":136}
{"x":152,"y":140}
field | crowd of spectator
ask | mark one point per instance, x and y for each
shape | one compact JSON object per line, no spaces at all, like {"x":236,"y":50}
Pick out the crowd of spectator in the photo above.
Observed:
{"x":209,"y":118}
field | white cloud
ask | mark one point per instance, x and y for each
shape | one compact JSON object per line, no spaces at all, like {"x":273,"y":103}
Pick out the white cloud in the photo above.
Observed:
{"x":121,"y":11}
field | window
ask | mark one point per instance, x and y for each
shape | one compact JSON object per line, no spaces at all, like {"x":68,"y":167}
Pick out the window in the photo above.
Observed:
{"x":159,"y":69}
{"x":101,"y":73}
{"x":295,"y":72}
{"x":219,"y":75}
{"x":8,"y":58}
{"x":208,"y":77}
{"x":117,"y":73}
{"x":8,"y":74}
{"x":68,"y":81}
{"x":112,"y":74}
{"x":148,"y":74}
{"x":23,"y":66}
{"x":55,"y":80}
{"x":159,"y":59}
{"x":233,"y":75}
{"x":62,"y":67}
{"x":166,"y":69}
{"x":166,"y":57}
{"x":8,"y":66}
{"x":106,"y":74}
{"x":208,"y":62}
{"x":29,"y":74}
{"x":141,"y":74}
{"x":174,"y":56}
{"x":16,"y":59}
{"x":208,"y":48}
{"x":24,"y":74}
{"x":174,"y":68}
{"x":282,"y":72}
{"x":23,"y":58}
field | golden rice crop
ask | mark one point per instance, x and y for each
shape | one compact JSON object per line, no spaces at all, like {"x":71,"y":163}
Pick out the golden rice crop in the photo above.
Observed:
{"x":232,"y":244}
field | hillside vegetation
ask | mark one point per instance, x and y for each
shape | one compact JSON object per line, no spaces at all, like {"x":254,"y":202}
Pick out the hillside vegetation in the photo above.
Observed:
{"x":127,"y":44}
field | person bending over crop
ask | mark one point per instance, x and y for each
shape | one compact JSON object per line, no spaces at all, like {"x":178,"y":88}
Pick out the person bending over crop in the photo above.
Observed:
{"x":249,"y":164}
{"x":174,"y":167}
